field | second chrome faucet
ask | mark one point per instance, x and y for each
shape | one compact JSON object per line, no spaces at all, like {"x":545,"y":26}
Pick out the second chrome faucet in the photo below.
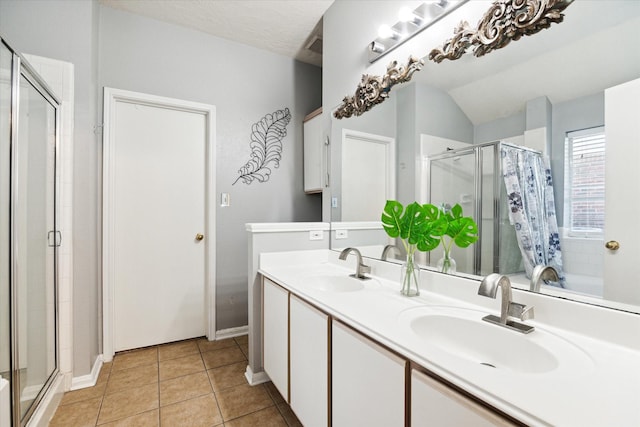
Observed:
{"x":489,"y":288}
{"x":361,"y":269}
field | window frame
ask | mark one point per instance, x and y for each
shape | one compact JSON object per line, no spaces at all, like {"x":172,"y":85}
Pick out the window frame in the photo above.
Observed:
{"x":597,"y":133}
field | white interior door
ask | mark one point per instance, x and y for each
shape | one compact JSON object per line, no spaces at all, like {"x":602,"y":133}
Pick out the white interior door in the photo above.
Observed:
{"x":370,"y":160}
{"x":157,"y":266}
{"x":622,"y":175}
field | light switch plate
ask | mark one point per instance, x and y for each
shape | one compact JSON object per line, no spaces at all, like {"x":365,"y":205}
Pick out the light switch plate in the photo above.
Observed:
{"x":225,"y":199}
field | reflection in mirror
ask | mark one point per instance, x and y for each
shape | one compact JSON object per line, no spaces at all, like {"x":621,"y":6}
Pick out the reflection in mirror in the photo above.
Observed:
{"x":557,"y":93}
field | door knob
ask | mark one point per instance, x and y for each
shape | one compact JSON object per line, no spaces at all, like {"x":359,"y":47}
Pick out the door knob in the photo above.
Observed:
{"x":612,"y":245}
{"x":199,"y":237}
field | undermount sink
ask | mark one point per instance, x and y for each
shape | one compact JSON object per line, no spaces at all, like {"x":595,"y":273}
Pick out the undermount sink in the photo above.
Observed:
{"x":462,"y":334}
{"x":335,"y":283}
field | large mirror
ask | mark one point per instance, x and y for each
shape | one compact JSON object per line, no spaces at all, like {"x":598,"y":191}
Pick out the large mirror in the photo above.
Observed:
{"x":442,"y":137}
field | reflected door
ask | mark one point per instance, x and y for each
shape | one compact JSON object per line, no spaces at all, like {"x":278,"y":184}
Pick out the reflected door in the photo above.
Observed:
{"x":368,"y":175}
{"x":622,"y":204}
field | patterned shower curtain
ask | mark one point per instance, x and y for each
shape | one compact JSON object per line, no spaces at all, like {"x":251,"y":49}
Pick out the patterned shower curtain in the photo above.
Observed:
{"x":527,"y":177}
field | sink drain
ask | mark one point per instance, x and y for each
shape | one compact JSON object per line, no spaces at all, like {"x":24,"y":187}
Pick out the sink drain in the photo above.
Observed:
{"x":488,"y":364}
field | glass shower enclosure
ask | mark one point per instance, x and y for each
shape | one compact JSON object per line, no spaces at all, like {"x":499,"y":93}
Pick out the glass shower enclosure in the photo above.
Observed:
{"x":29,"y":115}
{"x":472,"y":177}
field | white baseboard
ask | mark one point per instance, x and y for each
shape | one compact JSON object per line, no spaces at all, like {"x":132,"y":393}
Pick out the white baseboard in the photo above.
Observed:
{"x":88,"y":380}
{"x":232,"y":332}
{"x":255,"y":378}
{"x":48,"y":405}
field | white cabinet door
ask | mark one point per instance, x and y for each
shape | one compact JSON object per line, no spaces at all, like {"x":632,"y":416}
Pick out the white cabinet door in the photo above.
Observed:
{"x":313,"y":154}
{"x":309,"y":363}
{"x":368,"y":382}
{"x":434,"y":404}
{"x":276,"y":335}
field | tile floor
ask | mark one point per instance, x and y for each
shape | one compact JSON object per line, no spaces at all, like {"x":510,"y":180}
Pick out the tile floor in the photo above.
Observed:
{"x":189,"y":383}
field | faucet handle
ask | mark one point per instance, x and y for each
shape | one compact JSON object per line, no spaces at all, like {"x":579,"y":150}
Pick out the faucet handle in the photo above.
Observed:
{"x":520,"y":311}
{"x":365,"y":268}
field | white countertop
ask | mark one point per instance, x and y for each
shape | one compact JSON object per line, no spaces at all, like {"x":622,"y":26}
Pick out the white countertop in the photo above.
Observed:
{"x":597,"y":382}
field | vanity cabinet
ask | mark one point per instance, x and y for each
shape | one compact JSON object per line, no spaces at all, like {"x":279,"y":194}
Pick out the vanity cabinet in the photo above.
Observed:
{"x":368,"y":381}
{"x":309,"y":363}
{"x":314,"y":153}
{"x":333,"y":375}
{"x":275,"y":351}
{"x":433,"y":403}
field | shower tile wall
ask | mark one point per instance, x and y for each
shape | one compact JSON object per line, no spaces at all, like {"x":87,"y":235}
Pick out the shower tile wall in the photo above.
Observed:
{"x":582,"y":256}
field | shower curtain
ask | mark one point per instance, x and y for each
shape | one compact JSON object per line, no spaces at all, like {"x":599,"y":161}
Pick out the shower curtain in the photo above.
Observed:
{"x":527,"y":177}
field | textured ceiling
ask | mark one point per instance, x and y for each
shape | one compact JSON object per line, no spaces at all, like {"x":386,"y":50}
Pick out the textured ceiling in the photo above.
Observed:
{"x":285,"y":27}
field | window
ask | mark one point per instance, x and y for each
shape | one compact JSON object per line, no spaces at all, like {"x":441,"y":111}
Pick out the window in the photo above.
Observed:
{"x":584,"y":182}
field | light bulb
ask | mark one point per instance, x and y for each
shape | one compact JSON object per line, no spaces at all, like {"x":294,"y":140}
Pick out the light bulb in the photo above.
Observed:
{"x":405,"y":14}
{"x":385,"y":32}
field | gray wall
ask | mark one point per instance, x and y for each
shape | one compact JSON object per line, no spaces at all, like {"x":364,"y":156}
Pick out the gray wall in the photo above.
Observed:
{"x":244,"y":84}
{"x":124,"y":51}
{"x":67,"y":30}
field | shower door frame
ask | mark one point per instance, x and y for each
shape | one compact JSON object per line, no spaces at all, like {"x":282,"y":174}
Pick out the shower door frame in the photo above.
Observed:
{"x":21,"y":68}
{"x":478,"y":185}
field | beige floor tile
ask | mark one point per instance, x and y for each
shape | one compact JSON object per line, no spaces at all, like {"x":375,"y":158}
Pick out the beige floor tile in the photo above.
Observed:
{"x":242,"y":400}
{"x":186,"y":365}
{"x":128,"y":402}
{"x":146,"y":419}
{"x":206,"y":345}
{"x":131,"y":359}
{"x":269,"y":417}
{"x":226,"y":356}
{"x":245,"y":350}
{"x":274,"y":393}
{"x":242,"y":339}
{"x":104,"y":373}
{"x":198,"y":412}
{"x":227,"y":376}
{"x":289,"y":416}
{"x":179,"y":349}
{"x":78,"y":414}
{"x":83,"y":394}
{"x":184,"y":388}
{"x":132,"y":377}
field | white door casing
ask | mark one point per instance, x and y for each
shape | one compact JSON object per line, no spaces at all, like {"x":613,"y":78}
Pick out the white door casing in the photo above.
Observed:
{"x":158,"y":187}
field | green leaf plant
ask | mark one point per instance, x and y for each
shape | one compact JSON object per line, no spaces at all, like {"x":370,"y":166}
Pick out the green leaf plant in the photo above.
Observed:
{"x":461,"y":230}
{"x":425,"y":227}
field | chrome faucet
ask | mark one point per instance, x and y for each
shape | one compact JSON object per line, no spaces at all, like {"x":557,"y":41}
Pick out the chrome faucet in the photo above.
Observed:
{"x":361,"y":269}
{"x":386,"y":250}
{"x":489,"y":288}
{"x":542,"y":272}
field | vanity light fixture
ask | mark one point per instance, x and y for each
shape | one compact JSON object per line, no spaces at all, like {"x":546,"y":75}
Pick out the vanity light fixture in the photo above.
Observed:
{"x":410,"y":23}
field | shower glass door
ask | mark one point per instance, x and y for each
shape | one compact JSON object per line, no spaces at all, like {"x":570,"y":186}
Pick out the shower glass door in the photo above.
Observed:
{"x":6,"y":61}
{"x":453,"y":181}
{"x":34,"y":244}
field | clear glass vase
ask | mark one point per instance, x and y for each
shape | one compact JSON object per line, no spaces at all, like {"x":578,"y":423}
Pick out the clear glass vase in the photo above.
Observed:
{"x":410,"y":277}
{"x":446,"y":264}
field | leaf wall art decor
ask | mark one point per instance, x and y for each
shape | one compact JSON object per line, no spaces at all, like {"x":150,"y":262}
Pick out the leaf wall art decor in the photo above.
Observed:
{"x":266,"y":147}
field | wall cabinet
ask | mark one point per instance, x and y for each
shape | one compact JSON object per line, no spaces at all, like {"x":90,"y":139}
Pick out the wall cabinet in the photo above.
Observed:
{"x":314,"y":153}
{"x":368,"y":382}
{"x":309,"y":363}
{"x":433,"y":403}
{"x":275,"y":322}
